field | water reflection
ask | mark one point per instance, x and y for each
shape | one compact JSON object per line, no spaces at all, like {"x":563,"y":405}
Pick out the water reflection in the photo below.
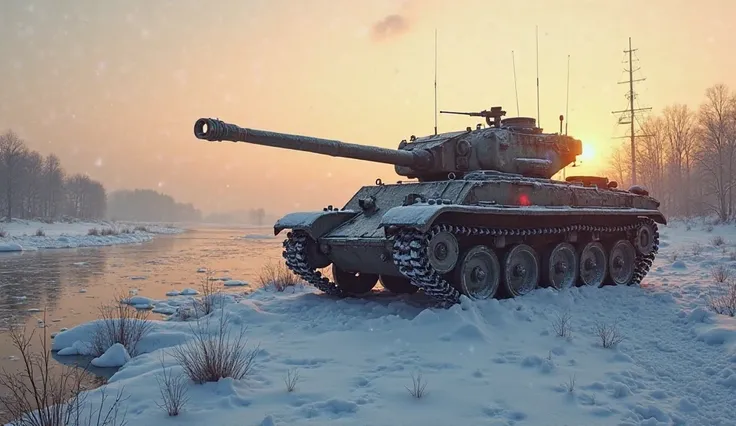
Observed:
{"x":67,"y":286}
{"x":34,"y":280}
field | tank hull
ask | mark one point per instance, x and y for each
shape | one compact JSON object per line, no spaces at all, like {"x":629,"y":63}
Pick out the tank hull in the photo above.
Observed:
{"x":504,"y":211}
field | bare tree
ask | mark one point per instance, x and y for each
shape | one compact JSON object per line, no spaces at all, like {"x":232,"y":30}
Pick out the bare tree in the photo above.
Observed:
{"x":651,"y":157}
{"x":717,"y":145}
{"x":12,"y":150}
{"x":679,"y":127}
{"x":86,"y":199}
{"x":620,"y":165}
{"x":53,"y":187}
{"x":30,"y":183}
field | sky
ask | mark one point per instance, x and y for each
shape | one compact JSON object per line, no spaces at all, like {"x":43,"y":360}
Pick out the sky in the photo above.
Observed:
{"x":114,"y":87}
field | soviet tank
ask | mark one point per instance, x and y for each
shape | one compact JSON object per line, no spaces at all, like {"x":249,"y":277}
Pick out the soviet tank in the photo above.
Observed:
{"x":479,"y":215}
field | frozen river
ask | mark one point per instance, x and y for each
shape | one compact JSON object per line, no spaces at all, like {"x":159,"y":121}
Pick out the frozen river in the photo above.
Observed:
{"x":68,"y":286}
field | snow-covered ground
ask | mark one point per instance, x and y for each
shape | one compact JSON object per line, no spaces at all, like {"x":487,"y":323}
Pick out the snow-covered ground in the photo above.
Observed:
{"x":495,"y":362}
{"x":33,"y":235}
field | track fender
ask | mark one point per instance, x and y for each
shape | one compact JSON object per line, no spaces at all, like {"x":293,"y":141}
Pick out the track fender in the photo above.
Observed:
{"x":419,"y":216}
{"x":315,"y":224}
{"x":422,"y":216}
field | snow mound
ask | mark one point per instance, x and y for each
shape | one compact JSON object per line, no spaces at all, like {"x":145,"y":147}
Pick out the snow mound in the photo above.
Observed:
{"x":115,"y":356}
{"x":7,"y":247}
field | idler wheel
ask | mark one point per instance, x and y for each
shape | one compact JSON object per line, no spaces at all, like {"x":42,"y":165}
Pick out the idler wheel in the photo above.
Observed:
{"x":478,"y":273}
{"x":443,"y":252}
{"x":644,"y":239}
{"x":592,"y":265}
{"x":560,"y":269}
{"x":398,"y":285}
{"x":353,"y":283}
{"x":521,"y":270}
{"x":621,"y":262}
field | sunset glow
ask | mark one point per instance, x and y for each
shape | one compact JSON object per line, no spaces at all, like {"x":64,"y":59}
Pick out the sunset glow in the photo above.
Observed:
{"x":127,"y":79}
{"x":589,"y":156}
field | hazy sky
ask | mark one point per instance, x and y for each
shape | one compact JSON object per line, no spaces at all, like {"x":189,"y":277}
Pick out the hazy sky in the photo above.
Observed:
{"x":114,"y":87}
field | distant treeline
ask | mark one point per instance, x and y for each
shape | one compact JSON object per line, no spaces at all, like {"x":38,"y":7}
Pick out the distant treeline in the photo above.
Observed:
{"x":149,"y":206}
{"x":257,"y":216}
{"x":33,"y":186}
{"x":687,"y":157}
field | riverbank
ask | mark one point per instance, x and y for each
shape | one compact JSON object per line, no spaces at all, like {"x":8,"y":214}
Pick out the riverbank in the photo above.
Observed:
{"x":28,"y":235}
{"x":357,"y":361}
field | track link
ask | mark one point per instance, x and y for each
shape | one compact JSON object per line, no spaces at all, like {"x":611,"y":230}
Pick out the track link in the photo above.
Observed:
{"x":410,"y":254}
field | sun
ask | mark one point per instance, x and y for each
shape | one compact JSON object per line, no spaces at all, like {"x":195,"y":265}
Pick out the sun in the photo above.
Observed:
{"x":589,"y":153}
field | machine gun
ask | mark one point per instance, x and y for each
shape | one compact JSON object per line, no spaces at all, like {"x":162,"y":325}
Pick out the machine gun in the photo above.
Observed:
{"x":495,"y":113}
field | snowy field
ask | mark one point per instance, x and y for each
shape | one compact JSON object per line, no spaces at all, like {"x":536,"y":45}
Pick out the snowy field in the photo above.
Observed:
{"x":496,"y":362}
{"x":20,"y":235}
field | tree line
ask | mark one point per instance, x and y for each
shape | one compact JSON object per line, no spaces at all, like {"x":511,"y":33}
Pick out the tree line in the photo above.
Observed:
{"x":686,"y":158}
{"x":37,"y":187}
{"x":149,"y":206}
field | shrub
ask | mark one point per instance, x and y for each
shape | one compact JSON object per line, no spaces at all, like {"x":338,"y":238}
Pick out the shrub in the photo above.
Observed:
{"x":292,"y":377}
{"x":206,"y":305}
{"x":723,"y":300}
{"x":697,"y":249}
{"x":140,"y":228}
{"x":3,"y":233}
{"x":40,"y":233}
{"x":94,"y":232}
{"x":717,"y":241}
{"x":173,"y":390}
{"x":109,"y":231}
{"x":720,"y":273}
{"x":609,"y":334}
{"x":561,"y":324}
{"x":570,"y":385}
{"x":37,"y":395}
{"x":418,"y":386}
{"x":209,"y":357}
{"x":120,"y":323}
{"x":277,"y":275}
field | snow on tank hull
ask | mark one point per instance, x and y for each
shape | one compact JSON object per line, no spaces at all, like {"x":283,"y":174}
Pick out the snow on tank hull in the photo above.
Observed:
{"x":486,"y":235}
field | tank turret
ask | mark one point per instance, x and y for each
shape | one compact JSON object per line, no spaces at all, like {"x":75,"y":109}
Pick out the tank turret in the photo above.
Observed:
{"x":514,"y":145}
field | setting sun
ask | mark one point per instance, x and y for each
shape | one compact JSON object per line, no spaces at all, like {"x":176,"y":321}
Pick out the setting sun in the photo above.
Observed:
{"x":589,"y":152}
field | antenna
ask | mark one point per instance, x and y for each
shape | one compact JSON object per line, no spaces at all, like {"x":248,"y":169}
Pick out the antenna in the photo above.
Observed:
{"x":513,"y":61}
{"x":435,"y":81}
{"x":539,"y":123}
{"x":567,"y":101}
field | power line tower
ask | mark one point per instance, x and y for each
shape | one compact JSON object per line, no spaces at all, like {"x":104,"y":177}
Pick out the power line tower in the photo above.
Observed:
{"x":628,"y":116}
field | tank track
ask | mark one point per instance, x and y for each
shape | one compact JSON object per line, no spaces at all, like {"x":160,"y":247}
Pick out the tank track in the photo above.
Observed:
{"x":410,"y":255}
{"x":295,"y":253}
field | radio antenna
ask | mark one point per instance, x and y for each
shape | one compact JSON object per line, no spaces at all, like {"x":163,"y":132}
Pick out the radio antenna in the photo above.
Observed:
{"x":435,"y":81}
{"x":539,"y":123}
{"x":513,"y":61}
{"x":567,"y":101}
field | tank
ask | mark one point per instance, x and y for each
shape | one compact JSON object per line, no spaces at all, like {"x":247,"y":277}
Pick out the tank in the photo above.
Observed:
{"x":477,"y":215}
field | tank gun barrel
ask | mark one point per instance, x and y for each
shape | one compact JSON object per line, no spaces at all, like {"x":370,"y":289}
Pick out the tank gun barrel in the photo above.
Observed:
{"x":211,"y":129}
